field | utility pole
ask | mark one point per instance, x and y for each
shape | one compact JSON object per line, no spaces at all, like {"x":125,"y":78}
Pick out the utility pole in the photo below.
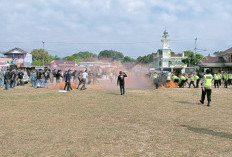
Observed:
{"x":43,"y":52}
{"x":195,"y":54}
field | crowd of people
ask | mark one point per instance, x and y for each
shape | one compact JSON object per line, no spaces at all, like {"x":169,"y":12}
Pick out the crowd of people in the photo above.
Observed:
{"x":206,"y":79}
{"x":42,"y":78}
{"x":192,"y":79}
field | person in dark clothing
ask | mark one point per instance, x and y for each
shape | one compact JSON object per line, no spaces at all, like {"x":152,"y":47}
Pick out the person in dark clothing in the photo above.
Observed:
{"x":7,"y":78}
{"x":20,"y":77}
{"x":79,"y":79}
{"x":53,"y":75}
{"x":58,"y":76}
{"x":121,"y":82}
{"x":39,"y":77}
{"x":13,"y":79}
{"x":47,"y":77}
{"x":68,"y":81}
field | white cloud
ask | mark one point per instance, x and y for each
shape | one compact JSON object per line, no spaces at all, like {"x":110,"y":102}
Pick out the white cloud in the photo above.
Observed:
{"x":116,"y":21}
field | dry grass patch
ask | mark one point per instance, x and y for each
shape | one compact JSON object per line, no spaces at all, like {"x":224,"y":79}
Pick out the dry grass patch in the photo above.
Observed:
{"x":167,"y":122}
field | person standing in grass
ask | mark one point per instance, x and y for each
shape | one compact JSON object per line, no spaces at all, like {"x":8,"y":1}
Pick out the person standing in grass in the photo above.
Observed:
{"x":207,"y":87}
{"x":84,"y":77}
{"x":1,"y":78}
{"x":156,"y":80}
{"x":7,"y":78}
{"x":79,"y":79}
{"x":68,"y":81}
{"x":33,"y":78}
{"x":121,"y":82}
{"x":20,"y":77}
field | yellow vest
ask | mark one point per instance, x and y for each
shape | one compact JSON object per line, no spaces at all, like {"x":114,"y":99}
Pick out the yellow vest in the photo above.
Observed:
{"x":208,"y":80}
{"x":182,"y":78}
{"x":155,"y":76}
{"x":216,"y":77}
{"x":230,"y":76}
{"x":225,"y":76}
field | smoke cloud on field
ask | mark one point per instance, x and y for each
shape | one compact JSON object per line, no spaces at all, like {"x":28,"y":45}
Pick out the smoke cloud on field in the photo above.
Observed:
{"x":137,"y":78}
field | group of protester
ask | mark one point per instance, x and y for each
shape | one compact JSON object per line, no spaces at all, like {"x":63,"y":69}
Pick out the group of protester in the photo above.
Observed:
{"x":42,"y":78}
{"x":11,"y":78}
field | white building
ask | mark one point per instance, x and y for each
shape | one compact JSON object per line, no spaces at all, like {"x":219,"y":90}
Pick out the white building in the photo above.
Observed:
{"x":168,"y":61}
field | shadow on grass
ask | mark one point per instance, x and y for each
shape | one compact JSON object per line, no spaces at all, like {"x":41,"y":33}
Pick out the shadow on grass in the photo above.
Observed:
{"x":208,"y":132}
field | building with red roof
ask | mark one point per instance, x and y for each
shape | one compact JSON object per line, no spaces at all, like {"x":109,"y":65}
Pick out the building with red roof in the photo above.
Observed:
{"x":221,"y":62}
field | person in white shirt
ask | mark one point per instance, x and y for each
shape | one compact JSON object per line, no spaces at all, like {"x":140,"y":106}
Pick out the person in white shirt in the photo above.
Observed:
{"x":84,"y":77}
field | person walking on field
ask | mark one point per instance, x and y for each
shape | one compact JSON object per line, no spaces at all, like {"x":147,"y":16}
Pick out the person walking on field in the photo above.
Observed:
{"x":84,"y":77}
{"x":197,"y":78}
{"x":207,"y":87}
{"x":7,"y":78}
{"x":192,"y":78}
{"x":121,"y":82}
{"x":79,"y":79}
{"x":156,"y":80}
{"x":68,"y":81}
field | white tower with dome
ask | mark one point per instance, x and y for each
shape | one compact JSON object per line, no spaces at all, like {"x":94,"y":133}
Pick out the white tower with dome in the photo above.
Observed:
{"x":168,"y":61}
{"x":166,"y":51}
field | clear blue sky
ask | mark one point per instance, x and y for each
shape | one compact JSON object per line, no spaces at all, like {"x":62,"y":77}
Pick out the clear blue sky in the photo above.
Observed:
{"x":71,"y":26}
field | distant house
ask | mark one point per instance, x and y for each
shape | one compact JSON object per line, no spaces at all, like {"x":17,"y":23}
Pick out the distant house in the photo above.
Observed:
{"x":63,"y":65}
{"x":16,"y":56}
{"x":221,"y":62}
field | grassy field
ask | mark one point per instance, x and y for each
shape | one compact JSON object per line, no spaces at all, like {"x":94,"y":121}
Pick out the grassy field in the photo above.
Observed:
{"x":95,"y":122}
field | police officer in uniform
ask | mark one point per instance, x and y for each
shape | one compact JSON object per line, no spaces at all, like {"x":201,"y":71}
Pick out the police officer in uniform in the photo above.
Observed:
{"x":156,"y":80}
{"x":229,"y":78}
{"x":225,"y":78}
{"x":183,"y":80}
{"x":192,"y":78}
{"x":207,"y":87}
{"x":216,"y":84}
{"x":197,"y":78}
{"x":219,"y":78}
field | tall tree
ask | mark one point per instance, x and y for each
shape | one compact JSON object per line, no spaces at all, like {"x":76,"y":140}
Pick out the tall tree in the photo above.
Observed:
{"x":80,"y":56}
{"x":37,"y":56}
{"x":190,"y":60}
{"x":128,"y":59}
{"x":146,"y":59}
{"x":111,"y":54}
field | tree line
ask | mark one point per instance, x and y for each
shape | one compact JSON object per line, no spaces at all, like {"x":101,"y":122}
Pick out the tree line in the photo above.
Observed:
{"x":38,"y":54}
